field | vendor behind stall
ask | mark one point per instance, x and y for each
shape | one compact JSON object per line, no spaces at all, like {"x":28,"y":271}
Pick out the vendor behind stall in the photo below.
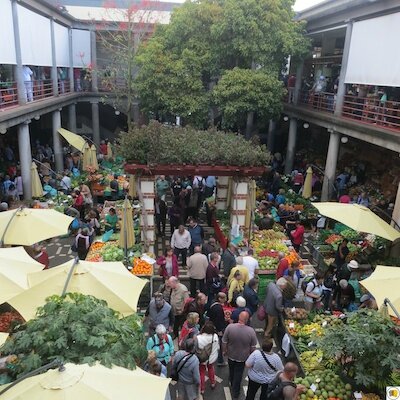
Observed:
{"x":341,"y":254}
{"x":344,"y":297}
{"x":111,"y":220}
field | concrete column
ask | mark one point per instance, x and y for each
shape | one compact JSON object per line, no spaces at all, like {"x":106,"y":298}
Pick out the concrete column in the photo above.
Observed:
{"x":239,"y":203}
{"x":291,"y":146}
{"x":330,"y":166}
{"x":25,"y":157}
{"x":96,"y":123}
{"x":341,"y":85}
{"x":148,"y":229}
{"x":58,"y":152}
{"x":297,"y":87}
{"x":72,"y":117}
{"x":19,"y":76}
{"x":222,"y":192}
{"x":54,"y":75}
{"x":271,"y":135}
{"x":71,"y":61}
{"x":93,"y":60}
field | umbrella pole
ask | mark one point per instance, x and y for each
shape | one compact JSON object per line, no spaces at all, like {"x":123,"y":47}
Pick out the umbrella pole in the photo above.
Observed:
{"x":387,"y":302}
{"x":125,"y":236}
{"x":44,"y":368}
{"x":7,"y":226}
{"x":70,"y":273}
{"x":51,"y":170}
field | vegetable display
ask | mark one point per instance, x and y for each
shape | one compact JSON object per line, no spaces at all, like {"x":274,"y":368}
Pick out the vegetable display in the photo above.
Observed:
{"x":9,"y":320}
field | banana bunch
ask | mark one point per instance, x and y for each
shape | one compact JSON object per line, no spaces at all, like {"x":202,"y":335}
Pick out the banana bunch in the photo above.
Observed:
{"x":312,"y":360}
{"x":311,"y":329}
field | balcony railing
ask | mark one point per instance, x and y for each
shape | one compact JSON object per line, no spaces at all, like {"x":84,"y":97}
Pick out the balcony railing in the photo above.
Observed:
{"x":8,"y":94}
{"x":368,"y":110}
{"x":64,"y":86}
{"x":372,"y":110}
{"x":323,"y":101}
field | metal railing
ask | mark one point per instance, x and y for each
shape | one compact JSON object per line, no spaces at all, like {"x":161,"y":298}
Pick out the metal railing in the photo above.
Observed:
{"x":38,"y":89}
{"x":8,"y":94}
{"x":372,"y":110}
{"x":64,"y":86}
{"x":322,"y":101}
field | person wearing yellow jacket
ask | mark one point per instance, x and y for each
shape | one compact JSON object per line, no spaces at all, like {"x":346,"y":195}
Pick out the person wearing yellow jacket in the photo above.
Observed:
{"x":236,"y":287}
{"x":243,"y":271}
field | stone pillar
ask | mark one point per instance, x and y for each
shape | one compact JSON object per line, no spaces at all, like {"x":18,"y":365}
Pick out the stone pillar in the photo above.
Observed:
{"x":25,"y":157}
{"x":222,"y":192}
{"x":72,"y":117}
{"x":93,"y":56}
{"x":58,"y":151}
{"x":341,"y":91}
{"x":54,"y":74}
{"x":330,"y":166}
{"x":291,"y":146}
{"x":71,"y":61}
{"x":148,"y":193}
{"x":96,"y":123}
{"x":297,"y":87}
{"x":239,"y":203}
{"x":19,"y":76}
{"x":271,"y":135}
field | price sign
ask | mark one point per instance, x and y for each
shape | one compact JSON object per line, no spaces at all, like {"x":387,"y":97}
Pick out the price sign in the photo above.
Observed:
{"x":293,"y":310}
{"x":313,"y":387}
{"x":357,"y":395}
{"x":324,"y":324}
{"x":291,"y":325}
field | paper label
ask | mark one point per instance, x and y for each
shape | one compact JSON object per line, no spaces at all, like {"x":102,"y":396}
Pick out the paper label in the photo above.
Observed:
{"x":293,"y":309}
{"x":291,"y":325}
{"x":313,"y":387}
{"x":310,"y":344}
{"x":324,"y":324}
{"x":357,"y":395}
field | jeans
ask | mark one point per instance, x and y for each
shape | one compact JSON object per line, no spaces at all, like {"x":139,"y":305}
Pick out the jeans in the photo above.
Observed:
{"x":160,"y":222}
{"x":236,"y":369}
{"x":179,"y":320}
{"x":183,"y":253}
{"x":211,"y":375}
{"x":194,"y":284}
{"x":220,"y":355}
{"x":253,"y":389}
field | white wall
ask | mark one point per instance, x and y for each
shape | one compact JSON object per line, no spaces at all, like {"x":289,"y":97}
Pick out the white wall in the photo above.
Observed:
{"x":81,"y":48}
{"x":62,"y":45}
{"x":35,"y":36}
{"x":374,"y":57}
{"x":7,"y":46}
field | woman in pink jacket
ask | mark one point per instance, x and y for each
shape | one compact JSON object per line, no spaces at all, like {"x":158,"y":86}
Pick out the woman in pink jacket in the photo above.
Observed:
{"x":168,"y":264}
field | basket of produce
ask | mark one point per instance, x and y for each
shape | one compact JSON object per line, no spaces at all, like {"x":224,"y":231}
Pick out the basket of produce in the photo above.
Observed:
{"x":296,"y":313}
{"x":141,"y":267}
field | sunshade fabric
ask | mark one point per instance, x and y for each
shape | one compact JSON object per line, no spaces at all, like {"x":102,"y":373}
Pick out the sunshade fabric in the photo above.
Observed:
{"x":127,"y":229}
{"x":307,"y":188}
{"x":37,"y":188}
{"x":73,"y":139}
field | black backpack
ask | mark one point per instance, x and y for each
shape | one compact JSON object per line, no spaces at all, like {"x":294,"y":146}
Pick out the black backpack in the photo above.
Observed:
{"x":275,"y":388}
{"x":306,"y":281}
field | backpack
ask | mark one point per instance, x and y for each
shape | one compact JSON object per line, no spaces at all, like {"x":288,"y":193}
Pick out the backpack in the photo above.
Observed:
{"x":329,"y":282}
{"x":204,"y":354}
{"x":275,"y":388}
{"x":306,"y":281}
{"x":188,"y":302}
{"x":11,"y":187}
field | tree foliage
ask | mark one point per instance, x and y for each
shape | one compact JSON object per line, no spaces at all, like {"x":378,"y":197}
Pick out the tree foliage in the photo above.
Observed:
{"x":78,"y":329}
{"x":160,"y":144}
{"x":209,"y":43}
{"x":366,"y":348}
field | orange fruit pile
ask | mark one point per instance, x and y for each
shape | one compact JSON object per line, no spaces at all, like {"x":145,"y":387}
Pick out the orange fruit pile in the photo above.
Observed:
{"x":141,"y":267}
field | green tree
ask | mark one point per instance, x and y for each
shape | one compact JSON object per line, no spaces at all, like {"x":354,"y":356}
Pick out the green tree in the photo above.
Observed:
{"x":78,"y":329}
{"x":207,"y":39}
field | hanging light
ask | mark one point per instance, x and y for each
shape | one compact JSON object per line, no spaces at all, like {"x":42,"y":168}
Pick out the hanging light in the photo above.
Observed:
{"x":37,"y":117}
{"x":344,"y":139}
{"x":117,"y":112}
{"x":3,"y":131}
{"x":306,"y":125}
{"x":286,"y":118}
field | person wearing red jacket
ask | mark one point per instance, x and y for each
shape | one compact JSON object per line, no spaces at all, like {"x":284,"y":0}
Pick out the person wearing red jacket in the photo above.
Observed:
{"x":282,"y":266}
{"x":168,"y":264}
{"x":297,"y":236}
{"x":41,"y":256}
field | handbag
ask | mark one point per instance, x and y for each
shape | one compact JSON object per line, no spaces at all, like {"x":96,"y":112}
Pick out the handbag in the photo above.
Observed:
{"x":204,"y":354}
{"x":266,"y":360}
{"x":176,"y":368}
{"x":261,"y":313}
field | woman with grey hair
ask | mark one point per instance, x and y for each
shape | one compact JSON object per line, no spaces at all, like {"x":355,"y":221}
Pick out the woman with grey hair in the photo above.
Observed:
{"x":161,"y":343}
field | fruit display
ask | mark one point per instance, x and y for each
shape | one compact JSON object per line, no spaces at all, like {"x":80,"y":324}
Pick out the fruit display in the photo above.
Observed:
{"x":310,"y":330}
{"x":296,"y":313}
{"x":292,"y":327}
{"x":141,"y":267}
{"x":8,"y":320}
{"x":332,"y":239}
{"x":292,"y":256}
{"x":267,"y":263}
{"x":94,"y":254}
{"x":369,"y":396}
{"x":312,"y":360}
{"x":324,"y":385}
{"x":327,"y":320}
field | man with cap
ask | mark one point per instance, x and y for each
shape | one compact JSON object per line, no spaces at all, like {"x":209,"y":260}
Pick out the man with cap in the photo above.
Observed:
{"x":343,"y":296}
{"x":159,"y":312}
{"x":346,"y":270}
{"x":241,"y":306}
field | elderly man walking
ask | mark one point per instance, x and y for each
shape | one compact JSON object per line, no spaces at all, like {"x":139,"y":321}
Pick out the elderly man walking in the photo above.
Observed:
{"x":274,"y":304}
{"x":179,"y":293}
{"x":159,"y":312}
{"x":238,"y":342}
{"x":197,"y":265}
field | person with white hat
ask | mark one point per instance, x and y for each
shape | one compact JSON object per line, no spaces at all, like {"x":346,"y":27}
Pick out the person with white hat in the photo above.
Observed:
{"x":346,"y":270}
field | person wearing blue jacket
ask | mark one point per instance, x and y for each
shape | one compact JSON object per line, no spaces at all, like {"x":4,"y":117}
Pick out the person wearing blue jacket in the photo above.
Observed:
{"x":196,"y":234}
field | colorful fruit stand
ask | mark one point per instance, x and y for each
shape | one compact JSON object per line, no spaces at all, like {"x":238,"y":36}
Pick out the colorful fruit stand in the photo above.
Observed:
{"x":267,"y":245}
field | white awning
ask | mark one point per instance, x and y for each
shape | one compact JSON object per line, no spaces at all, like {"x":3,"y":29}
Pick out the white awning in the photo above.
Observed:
{"x":7,"y":44}
{"x":81,"y":54}
{"x":374,"y":57}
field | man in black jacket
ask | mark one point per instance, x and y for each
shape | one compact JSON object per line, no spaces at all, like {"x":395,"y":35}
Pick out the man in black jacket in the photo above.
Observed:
{"x":160,"y":208}
{"x":217,"y":316}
